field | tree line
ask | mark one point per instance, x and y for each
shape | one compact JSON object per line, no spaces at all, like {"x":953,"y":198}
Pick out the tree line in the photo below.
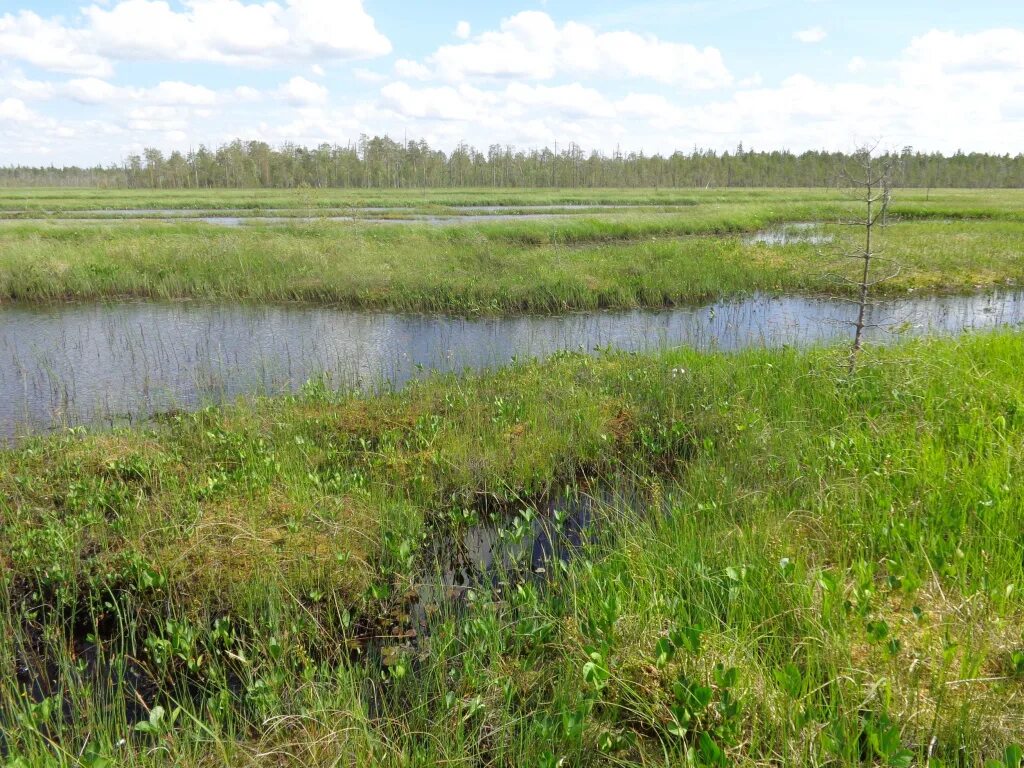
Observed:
{"x":380,"y":162}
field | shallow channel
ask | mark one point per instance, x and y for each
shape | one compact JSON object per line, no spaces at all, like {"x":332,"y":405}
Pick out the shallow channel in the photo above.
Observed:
{"x":70,"y":364}
{"x":220,"y":219}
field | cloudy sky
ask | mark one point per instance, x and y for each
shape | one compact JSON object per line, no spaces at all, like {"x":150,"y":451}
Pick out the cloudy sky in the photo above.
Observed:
{"x":84,"y":82}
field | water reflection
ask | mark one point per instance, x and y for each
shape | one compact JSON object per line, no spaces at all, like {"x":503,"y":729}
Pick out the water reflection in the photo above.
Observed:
{"x":71,"y":364}
{"x":790,"y":234}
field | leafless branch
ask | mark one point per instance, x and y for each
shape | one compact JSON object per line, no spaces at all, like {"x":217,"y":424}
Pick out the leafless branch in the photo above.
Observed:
{"x":873,"y":178}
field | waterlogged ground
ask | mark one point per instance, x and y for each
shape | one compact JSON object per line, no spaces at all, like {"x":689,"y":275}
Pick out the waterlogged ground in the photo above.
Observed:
{"x":381,"y":216}
{"x":63,"y":365}
{"x":751,"y":558}
{"x":511,"y":263}
{"x":680,"y":533}
{"x":120,"y":200}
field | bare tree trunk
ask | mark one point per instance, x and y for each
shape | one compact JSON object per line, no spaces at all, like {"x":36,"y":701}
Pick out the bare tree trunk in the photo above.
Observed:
{"x":862,"y":304}
{"x":875,"y":178}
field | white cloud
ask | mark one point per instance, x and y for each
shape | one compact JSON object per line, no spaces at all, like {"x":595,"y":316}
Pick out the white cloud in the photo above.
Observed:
{"x":412,"y":70}
{"x":856,"y":64}
{"x":16,"y":110}
{"x":207,"y":30}
{"x":47,"y":44}
{"x":512,"y":104}
{"x":902,"y":98}
{"x":92,"y":90}
{"x":302,"y":92}
{"x":16,"y":84}
{"x":574,"y":100}
{"x":995,"y":53}
{"x":463,"y":30}
{"x":317,"y":70}
{"x":158,"y":119}
{"x":333,"y":29}
{"x":645,"y":105}
{"x":810,"y":35}
{"x":462,"y":103}
{"x":35,"y":137}
{"x":982,"y":74}
{"x":246,"y":93}
{"x":368,"y":75}
{"x":174,"y":92}
{"x":221,"y":31}
{"x":531,"y":46}
{"x":309,"y":127}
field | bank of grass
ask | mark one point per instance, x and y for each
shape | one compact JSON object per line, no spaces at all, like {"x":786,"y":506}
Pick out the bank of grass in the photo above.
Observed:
{"x":64,"y":199}
{"x":535,"y":266}
{"x":813,"y":569}
{"x":956,"y":202}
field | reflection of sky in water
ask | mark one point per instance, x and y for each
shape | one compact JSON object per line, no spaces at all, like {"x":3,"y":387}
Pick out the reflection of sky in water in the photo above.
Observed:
{"x":222,"y":220}
{"x":790,"y":234}
{"x":515,"y":548}
{"x":75,"y":363}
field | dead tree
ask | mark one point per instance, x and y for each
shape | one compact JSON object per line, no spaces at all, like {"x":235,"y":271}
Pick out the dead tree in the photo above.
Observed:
{"x":871,"y":178}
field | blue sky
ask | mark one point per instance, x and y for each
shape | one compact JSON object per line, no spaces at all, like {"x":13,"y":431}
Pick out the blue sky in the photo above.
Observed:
{"x":84,"y":82}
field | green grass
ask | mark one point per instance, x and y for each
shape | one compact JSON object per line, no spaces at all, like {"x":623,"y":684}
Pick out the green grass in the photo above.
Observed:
{"x":949,"y":240}
{"x":612,"y":261}
{"x":60,"y":199}
{"x":955,"y":201}
{"x":850,"y":546}
{"x":788,"y":565}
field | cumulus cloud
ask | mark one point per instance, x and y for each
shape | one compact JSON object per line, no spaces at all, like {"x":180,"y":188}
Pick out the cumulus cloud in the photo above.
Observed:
{"x":573,"y":101}
{"x":92,"y":90}
{"x":15,"y":83}
{"x":221,"y":31}
{"x":463,"y":30}
{"x":16,"y":110}
{"x":810,"y":35}
{"x":46,"y":43}
{"x":302,"y":92}
{"x":163,"y":119}
{"x":246,"y":93}
{"x":230,"y":32}
{"x":516,"y":101}
{"x":368,"y":75}
{"x":982,"y":74}
{"x":461,"y":103}
{"x":532,"y":46}
{"x":557,"y":89}
{"x":996,"y":54}
{"x":408,"y":69}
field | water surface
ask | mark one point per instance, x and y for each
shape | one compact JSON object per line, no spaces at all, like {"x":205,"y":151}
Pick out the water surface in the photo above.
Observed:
{"x":109,"y":363}
{"x":790,"y":234}
{"x":222,"y":220}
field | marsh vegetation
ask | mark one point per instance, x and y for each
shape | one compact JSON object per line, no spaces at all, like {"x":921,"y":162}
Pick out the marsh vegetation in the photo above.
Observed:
{"x":656,"y":554}
{"x":68,"y":365}
{"x":604,"y":259}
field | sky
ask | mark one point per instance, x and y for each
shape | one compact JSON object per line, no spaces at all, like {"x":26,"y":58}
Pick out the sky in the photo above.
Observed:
{"x":91,"y":81}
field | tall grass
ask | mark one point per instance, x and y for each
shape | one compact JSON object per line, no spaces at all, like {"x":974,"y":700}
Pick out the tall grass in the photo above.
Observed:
{"x":978,"y":202}
{"x":793,"y":566}
{"x":583,"y":263}
{"x":64,"y":199}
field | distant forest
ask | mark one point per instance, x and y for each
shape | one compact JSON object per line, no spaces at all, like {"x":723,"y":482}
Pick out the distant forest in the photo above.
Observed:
{"x":377,"y":163}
